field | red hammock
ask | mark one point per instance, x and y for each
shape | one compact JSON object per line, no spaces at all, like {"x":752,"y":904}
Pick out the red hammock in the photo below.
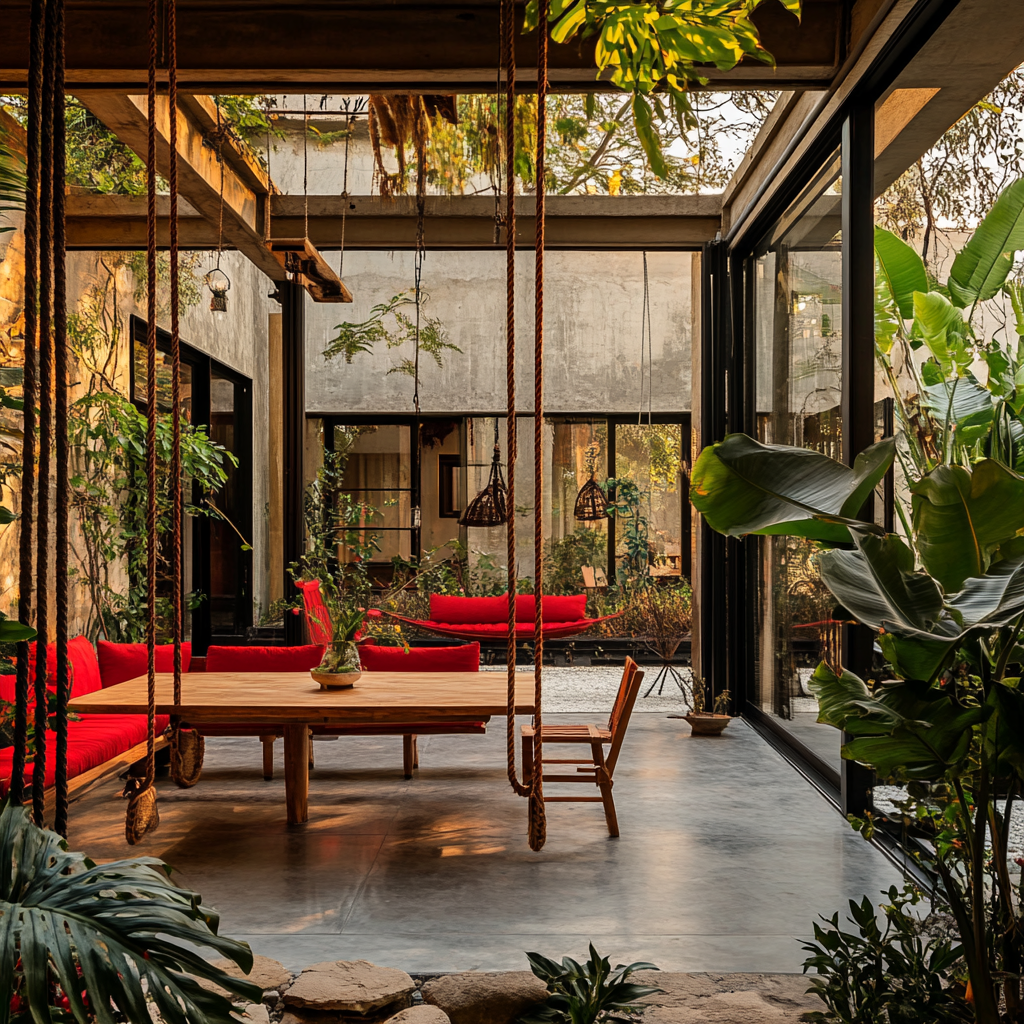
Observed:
{"x":483,"y":618}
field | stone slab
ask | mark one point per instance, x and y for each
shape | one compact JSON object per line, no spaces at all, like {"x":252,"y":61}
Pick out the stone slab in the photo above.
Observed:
{"x":421,"y":1014}
{"x":727,"y":998}
{"x":485,"y":998}
{"x":349,"y":986}
{"x":267,"y":973}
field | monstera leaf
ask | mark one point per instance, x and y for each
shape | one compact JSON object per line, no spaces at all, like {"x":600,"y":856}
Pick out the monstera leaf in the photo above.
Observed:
{"x":905,"y":728}
{"x":128,"y":930}
{"x":901,"y":268}
{"x":962,"y":517}
{"x":741,"y":486}
{"x":982,"y":266}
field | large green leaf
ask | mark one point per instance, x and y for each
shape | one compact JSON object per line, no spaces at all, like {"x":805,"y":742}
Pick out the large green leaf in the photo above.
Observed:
{"x":129,"y":930}
{"x":982,"y":266}
{"x":12,"y":632}
{"x":903,"y":728}
{"x":902,"y":269}
{"x":964,"y":404}
{"x":941,"y":326}
{"x":1004,"y":731}
{"x":961,"y":517}
{"x":741,"y":486}
{"x":878,"y":584}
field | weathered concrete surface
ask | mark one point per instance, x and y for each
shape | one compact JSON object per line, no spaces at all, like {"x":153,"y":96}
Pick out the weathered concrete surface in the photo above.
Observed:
{"x":478,"y":998}
{"x":353,"y":986}
{"x":727,"y":998}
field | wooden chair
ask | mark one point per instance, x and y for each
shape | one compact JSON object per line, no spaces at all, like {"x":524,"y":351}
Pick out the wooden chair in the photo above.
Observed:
{"x":598,"y":769}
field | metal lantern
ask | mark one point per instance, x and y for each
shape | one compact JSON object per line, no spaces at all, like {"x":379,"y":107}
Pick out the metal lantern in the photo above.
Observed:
{"x":591,"y":503}
{"x":218,"y":282}
{"x":490,"y":506}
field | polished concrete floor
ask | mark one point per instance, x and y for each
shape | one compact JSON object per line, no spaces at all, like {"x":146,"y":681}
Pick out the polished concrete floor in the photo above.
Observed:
{"x":725,"y":858}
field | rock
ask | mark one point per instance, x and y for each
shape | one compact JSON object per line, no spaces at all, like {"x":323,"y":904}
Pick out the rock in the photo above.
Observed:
{"x":727,"y":998}
{"x":421,"y":1014}
{"x":267,"y":973}
{"x":254,"y":1013}
{"x":479,"y":998}
{"x":351,"y":986}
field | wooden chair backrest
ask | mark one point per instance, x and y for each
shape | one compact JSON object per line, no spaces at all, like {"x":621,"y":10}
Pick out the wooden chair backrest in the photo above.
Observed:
{"x":318,"y":620}
{"x":618,"y":720}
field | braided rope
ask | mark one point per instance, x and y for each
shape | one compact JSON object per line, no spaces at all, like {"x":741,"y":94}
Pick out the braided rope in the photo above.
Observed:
{"x":45,"y":418}
{"x":538,"y":819}
{"x":511,"y":439}
{"x":177,"y":499}
{"x":60,"y":332}
{"x":151,"y":402}
{"x":30,"y":391}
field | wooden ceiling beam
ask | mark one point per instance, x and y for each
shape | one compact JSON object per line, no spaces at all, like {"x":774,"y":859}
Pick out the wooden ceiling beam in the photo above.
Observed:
{"x":429,"y":46}
{"x":245,"y":185}
{"x":461,"y":222}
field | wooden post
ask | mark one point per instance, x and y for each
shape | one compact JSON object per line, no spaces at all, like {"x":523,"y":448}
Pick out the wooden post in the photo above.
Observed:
{"x":296,"y":773}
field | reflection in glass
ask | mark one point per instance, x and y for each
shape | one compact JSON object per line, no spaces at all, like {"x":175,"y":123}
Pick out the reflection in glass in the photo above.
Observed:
{"x":798,"y":320}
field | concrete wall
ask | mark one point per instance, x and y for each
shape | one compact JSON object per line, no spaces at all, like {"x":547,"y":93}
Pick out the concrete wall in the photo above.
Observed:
{"x":593,"y":307}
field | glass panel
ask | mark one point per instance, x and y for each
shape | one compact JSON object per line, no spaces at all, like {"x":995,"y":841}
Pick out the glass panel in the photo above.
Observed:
{"x":649,"y":499}
{"x":163,"y":381}
{"x":577,"y":451}
{"x":226,"y":556}
{"x":378,"y":476}
{"x":798,"y":318}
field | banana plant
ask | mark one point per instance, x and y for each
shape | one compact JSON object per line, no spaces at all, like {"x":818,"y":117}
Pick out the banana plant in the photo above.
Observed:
{"x":948,"y":614}
{"x":949,"y":416}
{"x":98,"y":943}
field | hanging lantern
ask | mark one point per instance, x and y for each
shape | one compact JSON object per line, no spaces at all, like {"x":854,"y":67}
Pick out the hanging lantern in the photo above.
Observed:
{"x":218,"y":282}
{"x":591,"y":502}
{"x":490,"y":506}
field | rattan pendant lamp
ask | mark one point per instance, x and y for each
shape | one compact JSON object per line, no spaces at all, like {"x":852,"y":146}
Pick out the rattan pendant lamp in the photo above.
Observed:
{"x":490,"y":506}
{"x":591,"y":502}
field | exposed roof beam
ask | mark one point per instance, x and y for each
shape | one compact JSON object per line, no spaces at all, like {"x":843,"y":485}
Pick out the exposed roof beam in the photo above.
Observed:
{"x":245,"y":184}
{"x":461,"y":222}
{"x":364,"y":46}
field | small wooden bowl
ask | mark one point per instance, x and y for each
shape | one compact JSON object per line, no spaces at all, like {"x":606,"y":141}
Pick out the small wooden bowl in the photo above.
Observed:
{"x":707,"y":723}
{"x":335,"y":680}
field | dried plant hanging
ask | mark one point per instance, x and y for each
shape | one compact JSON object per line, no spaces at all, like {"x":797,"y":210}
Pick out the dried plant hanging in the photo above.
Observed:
{"x":591,"y":502}
{"x":490,"y":506}
{"x":399,"y":122}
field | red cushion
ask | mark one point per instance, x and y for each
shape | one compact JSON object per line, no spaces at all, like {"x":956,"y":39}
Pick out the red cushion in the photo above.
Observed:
{"x":461,"y":610}
{"x":264,"y":659}
{"x":85,"y":669}
{"x":121,"y":662}
{"x":556,"y":608}
{"x":465,"y":658}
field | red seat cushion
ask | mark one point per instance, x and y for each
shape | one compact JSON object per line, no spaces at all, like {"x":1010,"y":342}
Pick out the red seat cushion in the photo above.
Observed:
{"x":121,"y":662}
{"x":462,"y":610}
{"x":556,"y":608}
{"x":264,"y":659}
{"x":85,"y":669}
{"x":465,"y":658}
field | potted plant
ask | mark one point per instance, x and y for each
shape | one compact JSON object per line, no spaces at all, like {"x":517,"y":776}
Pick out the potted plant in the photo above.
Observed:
{"x":707,"y":723}
{"x":340,"y":667}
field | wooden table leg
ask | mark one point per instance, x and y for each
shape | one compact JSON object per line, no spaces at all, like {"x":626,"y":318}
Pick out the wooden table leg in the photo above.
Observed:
{"x":296,"y":773}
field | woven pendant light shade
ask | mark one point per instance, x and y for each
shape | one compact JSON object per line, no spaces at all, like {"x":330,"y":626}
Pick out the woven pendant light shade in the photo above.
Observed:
{"x":591,"y":503}
{"x":490,"y":506}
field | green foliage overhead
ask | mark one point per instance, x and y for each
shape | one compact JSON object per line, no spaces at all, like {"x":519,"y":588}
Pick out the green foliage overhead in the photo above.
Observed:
{"x":654,"y":50}
{"x":742,"y":486}
{"x":111,"y":937}
{"x":12,"y":183}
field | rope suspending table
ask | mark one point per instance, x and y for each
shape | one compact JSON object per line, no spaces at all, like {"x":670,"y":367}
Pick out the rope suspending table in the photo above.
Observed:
{"x":295,"y":702}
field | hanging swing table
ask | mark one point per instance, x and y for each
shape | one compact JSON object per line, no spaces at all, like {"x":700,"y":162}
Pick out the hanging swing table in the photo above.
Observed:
{"x":294,"y":701}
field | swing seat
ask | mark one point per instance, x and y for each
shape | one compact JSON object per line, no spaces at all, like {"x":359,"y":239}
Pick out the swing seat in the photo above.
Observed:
{"x":485,"y":618}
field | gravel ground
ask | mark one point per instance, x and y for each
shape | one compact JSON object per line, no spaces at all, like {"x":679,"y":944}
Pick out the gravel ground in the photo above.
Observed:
{"x":592,"y":689}
{"x":885,"y":795}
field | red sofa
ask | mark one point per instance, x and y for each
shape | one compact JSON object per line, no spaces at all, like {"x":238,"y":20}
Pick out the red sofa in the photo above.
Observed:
{"x":479,"y":618}
{"x":94,"y":741}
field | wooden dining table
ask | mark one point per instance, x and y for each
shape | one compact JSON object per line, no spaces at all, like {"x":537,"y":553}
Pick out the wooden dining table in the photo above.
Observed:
{"x":293,"y":701}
